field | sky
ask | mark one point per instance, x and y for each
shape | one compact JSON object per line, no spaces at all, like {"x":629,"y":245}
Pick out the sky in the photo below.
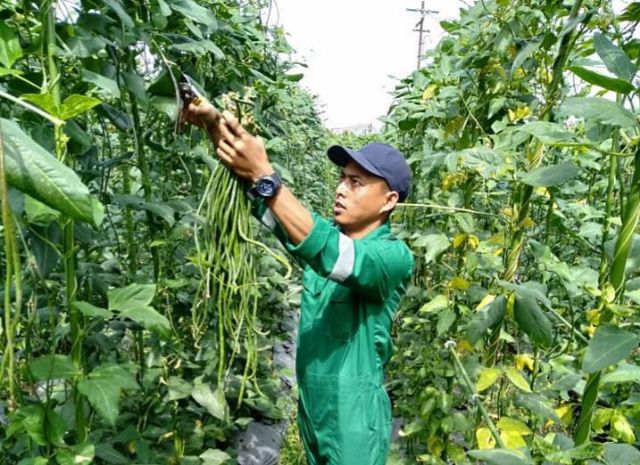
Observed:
{"x":356,"y":50}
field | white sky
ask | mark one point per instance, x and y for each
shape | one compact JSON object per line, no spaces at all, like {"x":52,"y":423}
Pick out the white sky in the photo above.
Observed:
{"x":357,"y":49}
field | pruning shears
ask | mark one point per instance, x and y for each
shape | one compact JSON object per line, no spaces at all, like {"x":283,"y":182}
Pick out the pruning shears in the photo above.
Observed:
{"x":188,"y":92}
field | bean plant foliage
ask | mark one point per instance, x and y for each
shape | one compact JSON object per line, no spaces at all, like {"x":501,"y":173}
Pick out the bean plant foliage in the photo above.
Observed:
{"x":123,"y":339}
{"x":518,"y":341}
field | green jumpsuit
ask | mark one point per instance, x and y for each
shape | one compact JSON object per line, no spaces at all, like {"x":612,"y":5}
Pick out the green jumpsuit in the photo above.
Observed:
{"x":351,"y":290}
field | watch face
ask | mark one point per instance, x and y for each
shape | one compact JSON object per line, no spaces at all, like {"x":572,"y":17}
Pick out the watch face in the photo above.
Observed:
{"x":266,"y":187}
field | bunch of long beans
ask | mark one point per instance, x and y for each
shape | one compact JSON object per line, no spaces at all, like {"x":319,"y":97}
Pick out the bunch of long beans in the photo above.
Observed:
{"x":228,"y":287}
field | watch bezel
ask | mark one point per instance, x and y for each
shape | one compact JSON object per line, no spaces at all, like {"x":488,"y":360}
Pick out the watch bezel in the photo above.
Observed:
{"x":267,"y":186}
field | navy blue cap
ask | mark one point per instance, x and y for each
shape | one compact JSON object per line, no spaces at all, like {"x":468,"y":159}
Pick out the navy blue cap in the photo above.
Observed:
{"x":381,"y":160}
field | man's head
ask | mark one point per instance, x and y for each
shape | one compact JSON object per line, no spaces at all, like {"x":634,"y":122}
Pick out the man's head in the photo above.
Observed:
{"x":373,"y":180}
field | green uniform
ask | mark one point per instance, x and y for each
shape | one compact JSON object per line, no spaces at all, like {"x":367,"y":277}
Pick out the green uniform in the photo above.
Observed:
{"x":351,"y":290}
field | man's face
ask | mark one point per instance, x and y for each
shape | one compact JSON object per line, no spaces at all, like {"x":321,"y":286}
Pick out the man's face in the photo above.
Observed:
{"x":361,"y":198}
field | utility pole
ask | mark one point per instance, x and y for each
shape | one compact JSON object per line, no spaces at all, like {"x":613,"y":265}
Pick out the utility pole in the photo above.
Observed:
{"x":419,"y":28}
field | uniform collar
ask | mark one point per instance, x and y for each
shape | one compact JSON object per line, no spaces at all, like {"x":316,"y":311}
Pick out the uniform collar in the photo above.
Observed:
{"x":381,"y":231}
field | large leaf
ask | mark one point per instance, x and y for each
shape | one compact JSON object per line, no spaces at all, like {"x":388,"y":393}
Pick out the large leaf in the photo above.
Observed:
{"x":213,"y":401}
{"x":606,"y":82}
{"x":552,"y":175}
{"x":586,"y":451}
{"x":488,"y":317}
{"x":91,"y":310}
{"x":150,"y":319}
{"x":53,"y":367}
{"x":214,"y":457}
{"x":77,"y":455}
{"x":193,"y":11}
{"x":533,"y":321}
{"x":10,"y":49}
{"x":614,"y":58}
{"x":551,"y":134}
{"x":435,"y":244}
{"x":110,"y":455}
{"x":132,"y":296}
{"x":501,"y":456}
{"x":625,"y":373}
{"x":598,"y":110}
{"x":34,"y":171}
{"x":609,"y":345}
{"x":106,"y":84}
{"x":621,"y":454}
{"x":103,"y":386}
{"x":119,"y":10}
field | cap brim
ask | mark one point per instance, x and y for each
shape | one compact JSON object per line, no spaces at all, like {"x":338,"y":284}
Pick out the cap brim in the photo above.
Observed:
{"x":342,"y":155}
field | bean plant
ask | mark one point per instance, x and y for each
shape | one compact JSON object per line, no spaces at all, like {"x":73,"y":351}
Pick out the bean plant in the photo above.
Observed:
{"x":140,"y":299}
{"x":518,"y":340}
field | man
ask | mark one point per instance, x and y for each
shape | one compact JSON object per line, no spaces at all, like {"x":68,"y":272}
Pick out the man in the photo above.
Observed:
{"x":355,"y":273}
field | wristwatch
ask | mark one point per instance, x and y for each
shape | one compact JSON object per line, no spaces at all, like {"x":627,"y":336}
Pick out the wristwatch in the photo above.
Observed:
{"x":267,"y":186}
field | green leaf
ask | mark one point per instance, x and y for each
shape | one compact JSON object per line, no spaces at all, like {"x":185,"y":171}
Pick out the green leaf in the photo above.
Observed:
{"x":487,"y":318}
{"x":77,"y":455}
{"x":34,"y":171}
{"x":10,"y":72}
{"x":501,"y":456}
{"x":200,"y":47}
{"x":598,"y":110}
{"x":487,"y":378}
{"x":625,"y":373}
{"x":110,"y":455}
{"x":10,"y":50}
{"x":606,"y":82}
{"x":621,"y":428}
{"x":213,"y":402}
{"x":39,"y":213}
{"x":439,"y":302}
{"x":621,"y":454}
{"x":32,"y":418}
{"x":586,"y":451}
{"x":552,"y":175}
{"x":445,"y":319}
{"x":513,"y":425}
{"x":91,"y":310}
{"x":538,"y":405}
{"x":53,"y":367}
{"x":614,"y":58}
{"x":551,"y":133}
{"x":103,"y":386}
{"x":436,"y":244}
{"x":214,"y":457}
{"x":150,"y":319}
{"x":609,"y":345}
{"x":193,"y":11}
{"x":44,"y":101}
{"x":178,"y":388}
{"x":75,"y":105}
{"x":56,"y":428}
{"x":119,"y":10}
{"x":631,"y":12}
{"x":136,"y":85}
{"x":533,"y":321}
{"x":102,"y":82}
{"x":517,"y":379}
{"x":523,"y":54}
{"x":132,"y":296}
{"x":34,"y":461}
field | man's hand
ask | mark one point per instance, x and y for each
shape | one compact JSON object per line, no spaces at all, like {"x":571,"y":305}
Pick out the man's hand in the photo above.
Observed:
{"x":242,"y":152}
{"x":205,"y":116}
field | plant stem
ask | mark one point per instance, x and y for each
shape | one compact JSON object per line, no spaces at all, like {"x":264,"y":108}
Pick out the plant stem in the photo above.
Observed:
{"x":474,"y":395}
{"x":68,"y":239}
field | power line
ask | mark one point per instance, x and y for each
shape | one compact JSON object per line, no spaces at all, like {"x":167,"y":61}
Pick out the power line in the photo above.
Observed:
{"x":419,"y":28}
